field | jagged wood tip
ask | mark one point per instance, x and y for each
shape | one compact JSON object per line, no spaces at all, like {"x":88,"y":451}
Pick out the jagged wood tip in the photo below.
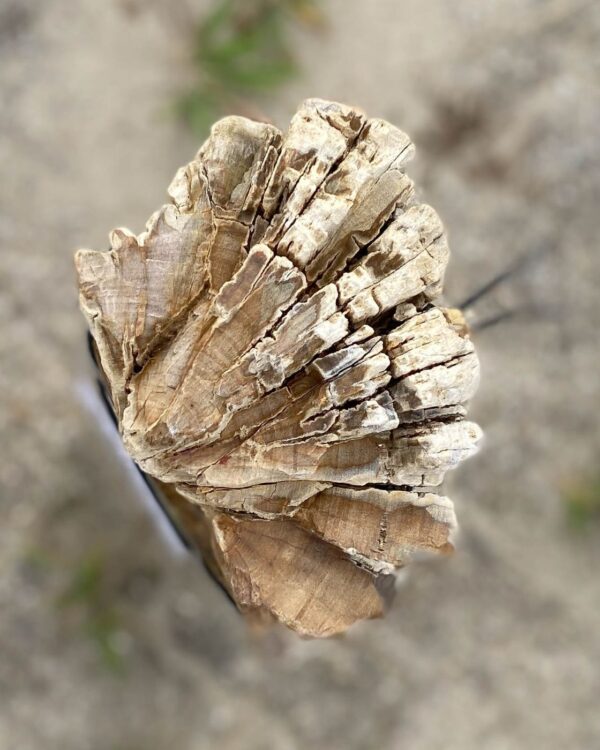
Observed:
{"x":276,"y":359}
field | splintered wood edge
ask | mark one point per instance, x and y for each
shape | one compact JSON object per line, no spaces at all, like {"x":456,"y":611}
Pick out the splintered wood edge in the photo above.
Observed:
{"x":277,"y":362}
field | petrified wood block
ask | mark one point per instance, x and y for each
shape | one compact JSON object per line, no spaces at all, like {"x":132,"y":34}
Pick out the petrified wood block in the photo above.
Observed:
{"x":275,"y":359}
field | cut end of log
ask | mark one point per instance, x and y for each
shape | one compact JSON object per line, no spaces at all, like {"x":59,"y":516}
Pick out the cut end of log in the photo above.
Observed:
{"x":276,"y":359}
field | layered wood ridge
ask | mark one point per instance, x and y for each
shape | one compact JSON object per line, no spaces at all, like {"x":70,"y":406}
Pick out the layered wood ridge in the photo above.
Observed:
{"x":273,"y":351}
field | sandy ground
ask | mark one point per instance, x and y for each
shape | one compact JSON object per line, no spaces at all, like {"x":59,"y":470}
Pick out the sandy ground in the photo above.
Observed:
{"x":110,"y":642}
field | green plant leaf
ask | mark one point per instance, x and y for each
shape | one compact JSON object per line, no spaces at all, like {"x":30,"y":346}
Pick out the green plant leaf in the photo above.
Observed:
{"x":582,"y":501}
{"x":85,"y":583}
{"x":241,"y":49}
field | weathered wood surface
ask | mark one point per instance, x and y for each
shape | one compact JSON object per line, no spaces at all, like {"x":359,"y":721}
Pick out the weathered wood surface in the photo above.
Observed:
{"x":274,"y":354}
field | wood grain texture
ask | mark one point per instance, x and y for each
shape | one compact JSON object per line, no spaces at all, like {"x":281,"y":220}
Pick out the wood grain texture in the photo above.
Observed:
{"x":276,"y":358}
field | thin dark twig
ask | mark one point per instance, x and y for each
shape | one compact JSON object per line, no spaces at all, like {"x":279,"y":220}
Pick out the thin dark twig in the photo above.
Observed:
{"x":512,"y":270}
{"x":534,"y":311}
{"x":493,"y":320}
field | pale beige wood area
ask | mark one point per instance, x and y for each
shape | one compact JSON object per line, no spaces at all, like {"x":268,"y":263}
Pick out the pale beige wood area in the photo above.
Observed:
{"x":275,"y":356}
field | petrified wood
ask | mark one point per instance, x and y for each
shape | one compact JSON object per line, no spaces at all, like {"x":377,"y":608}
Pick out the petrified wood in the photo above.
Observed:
{"x":276,"y":360}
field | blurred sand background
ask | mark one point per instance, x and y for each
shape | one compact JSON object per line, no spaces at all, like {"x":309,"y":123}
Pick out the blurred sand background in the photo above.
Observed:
{"x":110,"y":642}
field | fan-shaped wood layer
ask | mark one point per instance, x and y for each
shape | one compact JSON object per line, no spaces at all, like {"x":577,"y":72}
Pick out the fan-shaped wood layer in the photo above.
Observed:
{"x":273,"y":350}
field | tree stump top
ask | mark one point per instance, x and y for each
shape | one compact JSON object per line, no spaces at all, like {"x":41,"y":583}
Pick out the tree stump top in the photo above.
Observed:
{"x":276,"y":359}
